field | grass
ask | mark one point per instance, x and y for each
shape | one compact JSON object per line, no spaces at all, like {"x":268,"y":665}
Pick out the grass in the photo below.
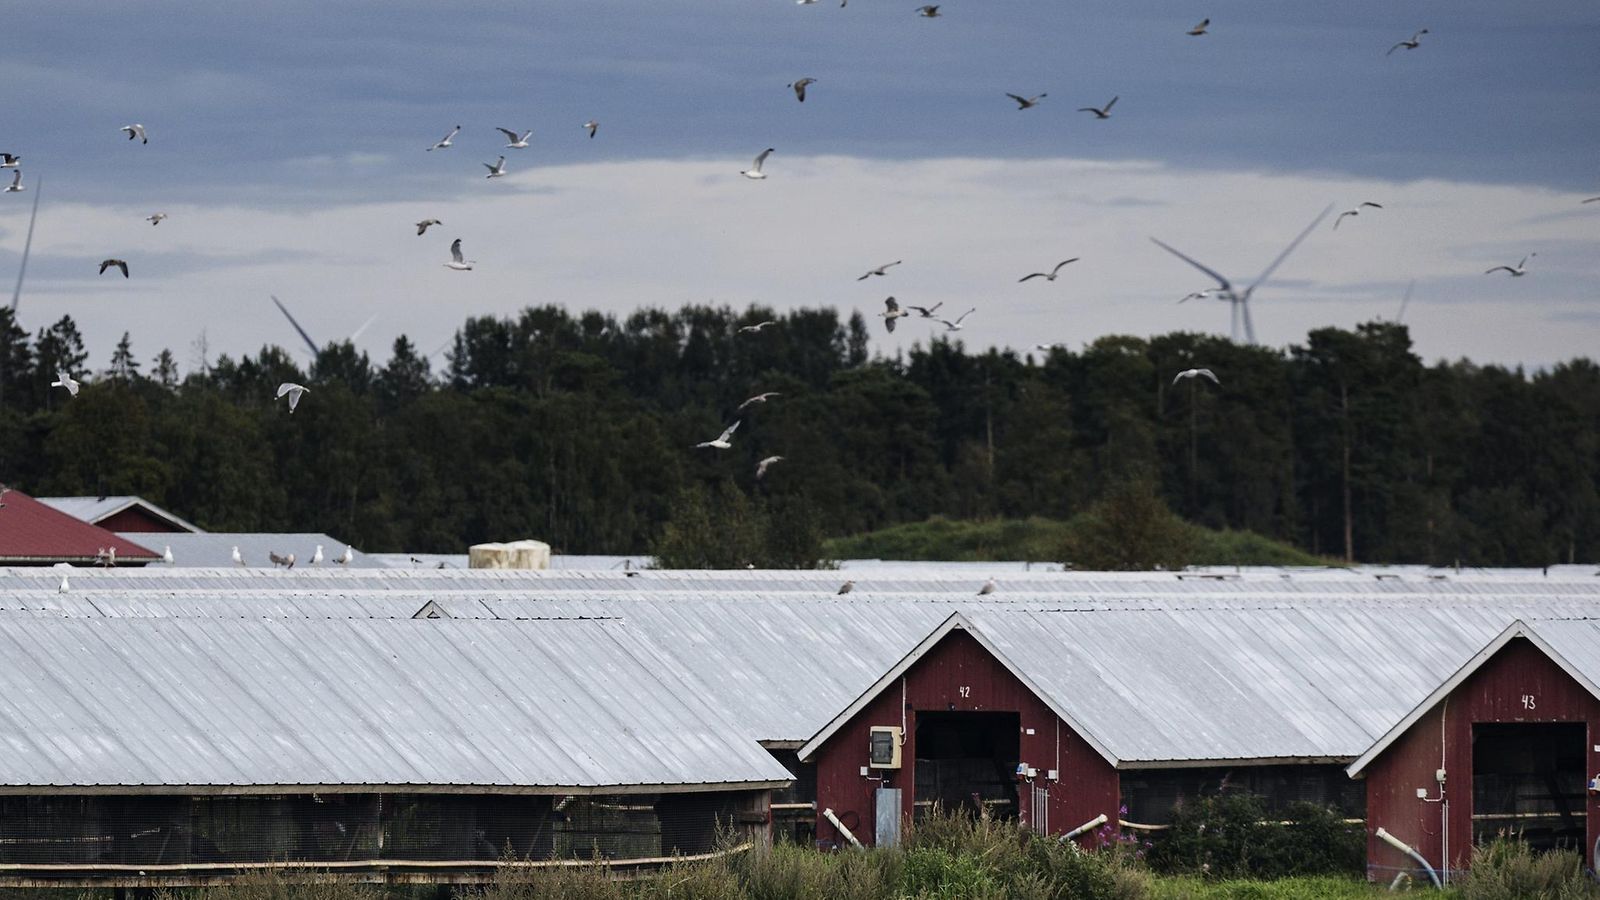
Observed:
{"x":1314,"y":888}
{"x":1042,"y":540}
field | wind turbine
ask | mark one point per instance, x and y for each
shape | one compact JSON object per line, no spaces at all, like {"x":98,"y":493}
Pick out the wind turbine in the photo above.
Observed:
{"x":1404,"y":302}
{"x":16,"y":293}
{"x":1240,"y":300}
{"x":307,"y":338}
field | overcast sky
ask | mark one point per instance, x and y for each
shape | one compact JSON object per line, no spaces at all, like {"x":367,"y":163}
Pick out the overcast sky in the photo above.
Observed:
{"x":287,"y":146}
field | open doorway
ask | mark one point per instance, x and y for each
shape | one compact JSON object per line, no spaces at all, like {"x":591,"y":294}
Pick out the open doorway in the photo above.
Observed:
{"x":1528,"y":781}
{"x":968,"y":761}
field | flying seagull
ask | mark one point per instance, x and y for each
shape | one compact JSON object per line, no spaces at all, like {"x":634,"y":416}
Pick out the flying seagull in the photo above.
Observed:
{"x":445,"y":141}
{"x":1519,"y":271}
{"x":16,"y":183}
{"x":721,"y":443}
{"x":1027,"y":102}
{"x":847,"y":587}
{"x":1354,"y":212}
{"x":1103,"y":112}
{"x":108,"y":263}
{"x":756,"y":328}
{"x":1200,"y":295}
{"x":1411,"y":44}
{"x":9,"y":161}
{"x":1196,"y":373}
{"x":135,"y":131}
{"x":496,"y":170}
{"x":294,"y":391}
{"x":761,"y":467}
{"x":926,"y":311}
{"x":928,"y":12}
{"x":518,"y":141}
{"x":456,"y":261}
{"x":1050,"y":275}
{"x":64,"y":380}
{"x":892,"y":311}
{"x":881,"y":270}
{"x":759,"y":398}
{"x":423,"y":225}
{"x":988,"y":587}
{"x":799,"y":87}
{"x":155,"y":218}
{"x":754,"y":173}
{"x":1199,"y":29}
{"x":956,"y":325}
{"x":593,"y":125}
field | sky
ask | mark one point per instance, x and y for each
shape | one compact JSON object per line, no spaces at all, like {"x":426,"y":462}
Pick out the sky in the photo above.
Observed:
{"x":287,"y":146}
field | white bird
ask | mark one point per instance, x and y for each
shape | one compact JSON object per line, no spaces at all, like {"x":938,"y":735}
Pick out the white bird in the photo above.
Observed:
{"x":988,"y":587}
{"x":1519,"y":271}
{"x":800,"y":84}
{"x":721,"y":443}
{"x":847,"y":587}
{"x":496,"y":170}
{"x":928,"y":12}
{"x":592,"y":126}
{"x":1027,"y":102}
{"x":892,"y":311}
{"x":16,"y":183}
{"x":457,"y":261}
{"x":238,"y":558}
{"x":1200,"y":295}
{"x":956,"y":325}
{"x":1411,"y":43}
{"x":155,"y":218}
{"x":445,"y":141}
{"x":1196,"y":373}
{"x":1050,"y":275}
{"x":135,"y":131}
{"x":294,"y":391}
{"x":926,"y":311}
{"x":756,"y":328}
{"x":518,"y":141}
{"x":9,"y":160}
{"x":344,"y":558}
{"x":422,"y":226}
{"x":881,"y":270}
{"x":1199,"y":29}
{"x":316,"y":557}
{"x":761,"y":467}
{"x":166,"y":555}
{"x":1102,"y":112}
{"x":64,"y":586}
{"x":1354,"y":212}
{"x":759,"y":398}
{"x":754,"y":173}
{"x":63,"y":380}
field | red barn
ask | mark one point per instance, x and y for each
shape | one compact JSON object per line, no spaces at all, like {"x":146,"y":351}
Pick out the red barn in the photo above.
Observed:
{"x":1508,"y":743}
{"x":120,"y":514}
{"x":33,"y":534}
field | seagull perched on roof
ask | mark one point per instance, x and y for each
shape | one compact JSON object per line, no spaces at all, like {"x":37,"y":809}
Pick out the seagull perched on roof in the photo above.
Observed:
{"x":1103,"y":112}
{"x":64,"y":585}
{"x":286,"y":561}
{"x":925,"y":311}
{"x":761,"y":467}
{"x":64,"y":380}
{"x":117,"y":263}
{"x":1411,"y":43}
{"x":988,"y":587}
{"x":759,"y":398}
{"x":799,"y":86}
{"x":294,"y":391}
{"x":135,"y":131}
{"x":754,"y":173}
{"x":592,"y":125}
{"x":1519,"y":271}
{"x":316,"y":557}
{"x":956,"y":325}
{"x":881,"y":270}
{"x":9,"y":160}
{"x":344,"y":558}
{"x":721,"y":443}
{"x":166,"y":555}
{"x":496,"y":170}
{"x":847,"y":587}
{"x":1354,"y":212}
{"x":1199,"y":29}
{"x":457,"y":261}
{"x":16,"y":183}
{"x":928,"y":12}
{"x":155,"y":218}
{"x":1027,"y":102}
{"x":518,"y":141}
{"x":756,"y":328}
{"x":1050,"y":275}
{"x":424,"y":224}
{"x":892,"y":311}
{"x":445,"y":141}
{"x":238,"y":558}
{"x":1196,"y":373}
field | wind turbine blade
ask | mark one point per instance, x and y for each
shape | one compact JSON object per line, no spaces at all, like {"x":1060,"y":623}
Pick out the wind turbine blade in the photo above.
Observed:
{"x":1249,"y":326}
{"x":1404,"y":302}
{"x":287,"y":315}
{"x":1288,"y":250}
{"x":1221,"y":282}
{"x":22,"y":270}
{"x":357,"y":333}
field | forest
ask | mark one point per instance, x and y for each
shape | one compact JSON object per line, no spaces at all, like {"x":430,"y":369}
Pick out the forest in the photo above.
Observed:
{"x":580,"y":430}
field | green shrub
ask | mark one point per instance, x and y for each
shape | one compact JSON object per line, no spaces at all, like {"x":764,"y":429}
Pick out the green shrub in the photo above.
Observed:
{"x":1302,"y":888}
{"x":1227,"y":835}
{"x":1507,"y":867}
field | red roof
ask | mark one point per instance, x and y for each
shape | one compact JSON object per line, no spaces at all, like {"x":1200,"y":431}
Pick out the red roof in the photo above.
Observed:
{"x":31,"y":532}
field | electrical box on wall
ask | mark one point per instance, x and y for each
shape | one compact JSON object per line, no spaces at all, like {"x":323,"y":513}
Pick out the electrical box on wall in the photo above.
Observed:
{"x":883,"y":748}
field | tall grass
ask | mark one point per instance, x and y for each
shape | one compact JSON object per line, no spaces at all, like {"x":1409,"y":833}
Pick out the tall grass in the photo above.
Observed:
{"x":1507,"y":867}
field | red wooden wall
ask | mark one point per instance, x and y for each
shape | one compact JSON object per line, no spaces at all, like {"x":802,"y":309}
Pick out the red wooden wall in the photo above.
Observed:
{"x":135,"y":519}
{"x":1088,"y":785}
{"x":1492,"y":694}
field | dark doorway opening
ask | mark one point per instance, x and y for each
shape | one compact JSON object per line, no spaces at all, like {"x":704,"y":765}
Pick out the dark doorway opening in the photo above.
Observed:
{"x":968,"y":761}
{"x":1528,"y":782}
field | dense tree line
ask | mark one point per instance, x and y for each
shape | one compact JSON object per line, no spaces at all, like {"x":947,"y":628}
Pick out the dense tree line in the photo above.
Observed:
{"x":580,"y":430}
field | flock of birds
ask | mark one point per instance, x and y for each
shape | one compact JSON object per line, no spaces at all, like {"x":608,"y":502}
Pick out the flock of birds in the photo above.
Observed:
{"x":106,"y":557}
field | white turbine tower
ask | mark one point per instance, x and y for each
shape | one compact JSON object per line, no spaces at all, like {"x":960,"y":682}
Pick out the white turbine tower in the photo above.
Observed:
{"x":1240,"y":300}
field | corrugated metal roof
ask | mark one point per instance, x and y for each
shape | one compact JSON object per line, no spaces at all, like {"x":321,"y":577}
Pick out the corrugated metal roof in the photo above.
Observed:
{"x":194,"y":703}
{"x":94,"y":509}
{"x":214,"y":549}
{"x":30,"y":531}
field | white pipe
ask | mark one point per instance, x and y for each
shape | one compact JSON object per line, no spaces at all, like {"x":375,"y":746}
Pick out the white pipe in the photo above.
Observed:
{"x":1410,"y":851}
{"x":1088,"y":826}
{"x":845,"y":832}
